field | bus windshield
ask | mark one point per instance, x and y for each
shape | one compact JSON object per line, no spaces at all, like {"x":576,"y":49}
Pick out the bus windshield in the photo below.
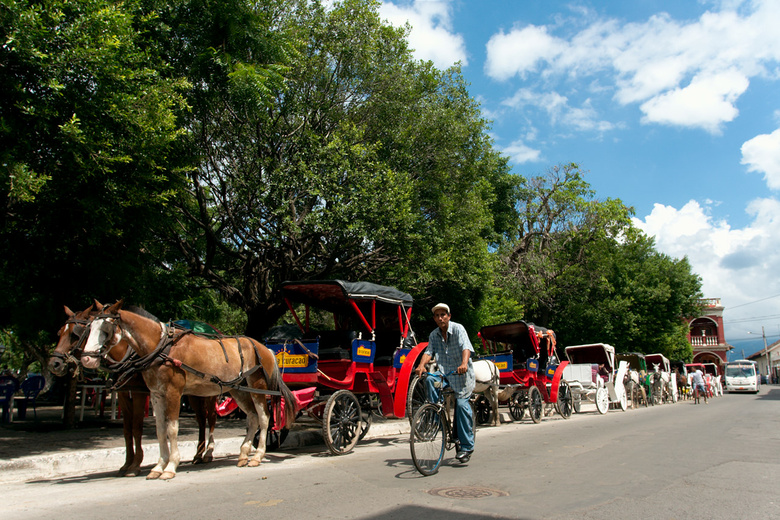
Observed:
{"x":740,"y":371}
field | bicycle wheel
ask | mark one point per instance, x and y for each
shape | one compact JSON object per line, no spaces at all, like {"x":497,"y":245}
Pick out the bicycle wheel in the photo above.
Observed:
{"x":427,"y":439}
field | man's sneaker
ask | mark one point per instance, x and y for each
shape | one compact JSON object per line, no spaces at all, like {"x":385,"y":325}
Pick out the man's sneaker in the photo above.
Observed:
{"x":464,"y":456}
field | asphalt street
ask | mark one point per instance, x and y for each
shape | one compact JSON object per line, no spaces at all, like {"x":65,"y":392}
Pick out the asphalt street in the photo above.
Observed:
{"x":676,"y":461}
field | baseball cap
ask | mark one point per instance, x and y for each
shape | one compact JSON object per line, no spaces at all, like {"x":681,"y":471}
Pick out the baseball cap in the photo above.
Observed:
{"x":441,"y":306}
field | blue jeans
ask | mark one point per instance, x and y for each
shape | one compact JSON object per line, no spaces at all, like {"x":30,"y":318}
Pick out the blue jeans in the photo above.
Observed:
{"x":464,"y":418}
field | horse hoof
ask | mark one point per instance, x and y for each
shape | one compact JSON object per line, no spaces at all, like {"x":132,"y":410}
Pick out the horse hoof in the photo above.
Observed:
{"x":197,"y":460}
{"x":121,"y":473}
{"x":242,"y":463}
{"x":253,"y":463}
{"x":132,"y":472}
{"x":154,"y":475}
{"x":167,"y":475}
{"x":207,"y":459}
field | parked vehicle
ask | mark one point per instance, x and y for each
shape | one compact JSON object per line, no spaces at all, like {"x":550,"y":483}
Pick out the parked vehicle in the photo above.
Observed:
{"x":591,"y":375}
{"x":742,"y":376}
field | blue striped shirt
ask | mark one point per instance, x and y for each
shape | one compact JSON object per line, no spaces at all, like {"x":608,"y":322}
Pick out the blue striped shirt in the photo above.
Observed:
{"x":449,"y":355}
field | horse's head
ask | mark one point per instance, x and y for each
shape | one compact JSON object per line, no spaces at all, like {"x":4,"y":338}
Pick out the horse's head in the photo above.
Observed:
{"x":656,"y":367}
{"x":70,"y":337}
{"x":103,"y":334}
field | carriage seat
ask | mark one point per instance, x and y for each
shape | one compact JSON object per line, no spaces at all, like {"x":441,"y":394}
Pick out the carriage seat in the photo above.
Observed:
{"x":387,"y":342}
{"x":336,"y":344}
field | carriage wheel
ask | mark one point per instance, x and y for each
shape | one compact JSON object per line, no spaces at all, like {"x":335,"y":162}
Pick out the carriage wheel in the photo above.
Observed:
{"x":576,"y":403}
{"x":535,"y":404}
{"x":366,"y":419}
{"x":517,"y":405}
{"x":624,"y":401}
{"x":564,"y":404}
{"x":416,"y":397}
{"x":483,"y":412}
{"x":342,"y":422}
{"x":427,"y":439}
{"x":602,"y":400}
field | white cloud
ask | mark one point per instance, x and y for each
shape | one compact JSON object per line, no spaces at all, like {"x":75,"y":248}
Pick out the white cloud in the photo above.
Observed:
{"x":739,"y":266}
{"x":688,"y":73}
{"x":521,"y":153}
{"x":762,"y":154}
{"x":583,"y":118}
{"x":706,"y":102}
{"x":432,"y":36}
{"x":524,"y":47}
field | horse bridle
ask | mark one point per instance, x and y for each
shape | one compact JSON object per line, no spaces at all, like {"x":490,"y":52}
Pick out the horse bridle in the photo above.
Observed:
{"x":79,"y":330}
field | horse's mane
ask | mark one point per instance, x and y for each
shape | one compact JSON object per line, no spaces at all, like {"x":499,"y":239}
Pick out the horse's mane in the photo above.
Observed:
{"x":142,"y":312}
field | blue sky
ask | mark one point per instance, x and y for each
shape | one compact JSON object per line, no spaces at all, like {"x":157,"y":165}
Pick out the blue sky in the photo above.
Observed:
{"x":670,"y":106}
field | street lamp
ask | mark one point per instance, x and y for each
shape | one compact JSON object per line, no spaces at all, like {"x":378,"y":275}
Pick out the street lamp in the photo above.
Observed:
{"x":766,"y":353}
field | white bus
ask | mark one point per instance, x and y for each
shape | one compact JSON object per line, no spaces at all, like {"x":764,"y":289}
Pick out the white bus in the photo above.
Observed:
{"x":742,"y":376}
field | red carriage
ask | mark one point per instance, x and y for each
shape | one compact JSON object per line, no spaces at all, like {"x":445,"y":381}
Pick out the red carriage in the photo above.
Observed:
{"x":530,"y":374}
{"x":357,"y":365}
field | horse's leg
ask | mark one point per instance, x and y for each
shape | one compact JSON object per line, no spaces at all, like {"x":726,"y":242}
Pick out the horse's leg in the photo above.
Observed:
{"x":196,"y":403}
{"x":493,"y":393}
{"x":126,"y":409}
{"x":138,"y":410}
{"x":159,"y":406}
{"x":254,"y":406}
{"x":206,"y":415}
{"x":172,"y":410}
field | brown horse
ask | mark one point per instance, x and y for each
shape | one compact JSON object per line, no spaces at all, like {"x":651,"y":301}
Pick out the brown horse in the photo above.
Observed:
{"x":133,"y":393}
{"x":179,"y":363}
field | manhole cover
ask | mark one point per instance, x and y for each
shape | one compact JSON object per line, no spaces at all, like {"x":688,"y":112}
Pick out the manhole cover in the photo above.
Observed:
{"x":468,"y":492}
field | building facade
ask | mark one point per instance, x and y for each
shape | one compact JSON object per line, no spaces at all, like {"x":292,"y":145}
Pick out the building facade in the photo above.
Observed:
{"x":707,"y":336}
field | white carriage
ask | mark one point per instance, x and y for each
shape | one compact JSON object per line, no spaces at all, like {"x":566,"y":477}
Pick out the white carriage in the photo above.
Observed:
{"x":663,"y":386}
{"x":591,"y":375}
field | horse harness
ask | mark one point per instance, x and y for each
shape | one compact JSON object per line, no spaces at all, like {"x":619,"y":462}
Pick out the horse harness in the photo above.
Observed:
{"x":169,"y":336}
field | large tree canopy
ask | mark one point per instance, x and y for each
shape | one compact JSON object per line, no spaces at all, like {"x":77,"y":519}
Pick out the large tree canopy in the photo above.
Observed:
{"x":326,"y":151}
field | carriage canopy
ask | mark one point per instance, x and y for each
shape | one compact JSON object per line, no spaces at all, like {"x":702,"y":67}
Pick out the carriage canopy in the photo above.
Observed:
{"x":596,"y":353}
{"x":658,"y":359}
{"x":519,"y":336}
{"x":636,"y":360}
{"x":376,"y":306}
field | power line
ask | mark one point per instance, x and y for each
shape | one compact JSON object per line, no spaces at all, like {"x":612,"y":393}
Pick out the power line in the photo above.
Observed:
{"x":751,"y":303}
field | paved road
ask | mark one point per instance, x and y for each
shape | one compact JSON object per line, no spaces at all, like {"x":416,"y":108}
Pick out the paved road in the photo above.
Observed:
{"x":682,"y":461}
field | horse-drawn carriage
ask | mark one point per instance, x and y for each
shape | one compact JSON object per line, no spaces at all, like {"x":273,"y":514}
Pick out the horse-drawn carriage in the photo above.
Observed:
{"x":354,"y":367}
{"x":591,"y":375}
{"x":662,"y":383}
{"x":530,"y":374}
{"x":712,"y":378}
{"x":635,"y":380}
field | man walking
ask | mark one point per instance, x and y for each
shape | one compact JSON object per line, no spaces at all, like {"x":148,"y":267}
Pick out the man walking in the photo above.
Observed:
{"x":449,"y":345}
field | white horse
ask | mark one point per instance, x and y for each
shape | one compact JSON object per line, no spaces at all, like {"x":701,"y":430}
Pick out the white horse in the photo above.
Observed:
{"x":487,"y":378}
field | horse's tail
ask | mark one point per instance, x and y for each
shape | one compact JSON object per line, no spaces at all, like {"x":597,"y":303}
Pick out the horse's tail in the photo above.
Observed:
{"x":275,"y":382}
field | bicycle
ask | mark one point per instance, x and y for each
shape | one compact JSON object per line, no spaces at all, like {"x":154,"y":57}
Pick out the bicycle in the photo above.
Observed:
{"x":432,"y":431}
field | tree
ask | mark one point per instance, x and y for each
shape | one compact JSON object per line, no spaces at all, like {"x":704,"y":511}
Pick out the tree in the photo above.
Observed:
{"x":89,"y":124}
{"x":326,"y":151}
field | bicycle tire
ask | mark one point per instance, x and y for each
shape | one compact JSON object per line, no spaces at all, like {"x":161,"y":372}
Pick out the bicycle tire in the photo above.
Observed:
{"x":427,"y":439}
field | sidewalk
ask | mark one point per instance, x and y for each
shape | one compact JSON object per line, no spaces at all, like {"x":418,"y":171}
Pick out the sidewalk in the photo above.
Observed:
{"x":37,"y":449}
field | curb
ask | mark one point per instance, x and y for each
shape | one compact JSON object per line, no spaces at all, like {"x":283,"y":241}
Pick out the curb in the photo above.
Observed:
{"x":40,"y":467}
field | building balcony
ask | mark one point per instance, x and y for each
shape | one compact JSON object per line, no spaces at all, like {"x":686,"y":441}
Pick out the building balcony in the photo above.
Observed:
{"x":704,"y":341}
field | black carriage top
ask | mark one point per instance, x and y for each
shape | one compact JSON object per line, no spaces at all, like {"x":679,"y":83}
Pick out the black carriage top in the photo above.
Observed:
{"x":376,"y":306}
{"x":525,"y":340}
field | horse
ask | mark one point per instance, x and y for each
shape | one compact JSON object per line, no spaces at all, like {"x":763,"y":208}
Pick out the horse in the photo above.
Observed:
{"x":132,"y":394}
{"x":634,"y":389}
{"x":683,"y":387}
{"x":487,"y":378}
{"x":181,"y":363}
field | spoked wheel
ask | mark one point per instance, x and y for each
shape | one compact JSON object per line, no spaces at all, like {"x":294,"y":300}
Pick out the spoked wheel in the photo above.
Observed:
{"x":602,"y":400}
{"x":564,"y":404}
{"x":483,"y":411}
{"x":427,"y":439}
{"x":576,"y":403}
{"x":517,"y":406}
{"x":342,"y":422}
{"x":535,"y":404}
{"x":416,"y":397}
